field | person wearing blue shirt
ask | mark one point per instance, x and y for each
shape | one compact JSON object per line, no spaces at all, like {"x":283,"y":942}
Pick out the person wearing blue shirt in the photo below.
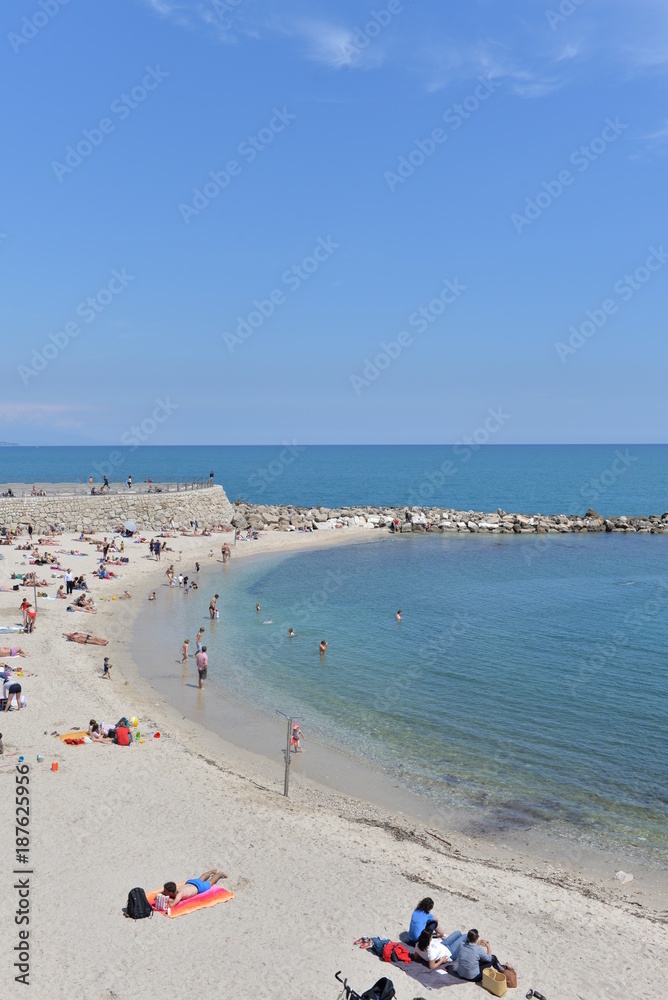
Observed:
{"x":421,"y":919}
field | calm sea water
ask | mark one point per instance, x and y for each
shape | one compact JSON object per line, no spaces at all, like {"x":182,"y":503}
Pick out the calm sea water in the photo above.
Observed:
{"x":527,"y":680}
{"x":523,"y":478}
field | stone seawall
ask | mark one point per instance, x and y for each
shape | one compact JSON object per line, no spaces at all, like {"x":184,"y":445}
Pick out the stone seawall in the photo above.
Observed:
{"x":286,"y":518}
{"x":208,"y":506}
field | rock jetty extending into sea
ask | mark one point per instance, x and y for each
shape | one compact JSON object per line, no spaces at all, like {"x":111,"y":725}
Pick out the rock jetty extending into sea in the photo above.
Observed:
{"x":417,"y":519}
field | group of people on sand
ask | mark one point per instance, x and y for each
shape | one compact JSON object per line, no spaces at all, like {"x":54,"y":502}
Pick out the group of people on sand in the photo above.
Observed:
{"x":465,"y":953}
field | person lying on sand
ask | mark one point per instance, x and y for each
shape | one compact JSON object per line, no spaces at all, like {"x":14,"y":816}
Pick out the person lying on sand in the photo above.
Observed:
{"x":12,"y":651}
{"x":85,"y":640}
{"x":193,"y":886}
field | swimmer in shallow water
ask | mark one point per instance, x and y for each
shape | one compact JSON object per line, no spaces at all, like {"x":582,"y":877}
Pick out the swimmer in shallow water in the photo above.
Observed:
{"x":323,"y":647}
{"x":398,"y":616}
{"x":291,"y":633}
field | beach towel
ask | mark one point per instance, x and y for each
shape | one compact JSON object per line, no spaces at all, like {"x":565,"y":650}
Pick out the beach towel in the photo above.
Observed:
{"x":216,"y":894}
{"x":430,"y":979}
{"x":79,"y":735}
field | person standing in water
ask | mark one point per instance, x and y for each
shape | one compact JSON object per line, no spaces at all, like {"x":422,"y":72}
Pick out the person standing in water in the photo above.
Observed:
{"x":398,"y":616}
{"x":212,"y":606}
{"x":323,"y":647}
{"x":202,"y":662}
{"x":198,"y":639}
{"x":184,"y":651}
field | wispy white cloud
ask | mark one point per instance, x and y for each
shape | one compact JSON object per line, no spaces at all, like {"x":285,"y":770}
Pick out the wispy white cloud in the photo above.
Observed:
{"x":336,"y":46}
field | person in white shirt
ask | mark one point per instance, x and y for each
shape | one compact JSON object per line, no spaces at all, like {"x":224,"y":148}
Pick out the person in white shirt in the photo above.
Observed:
{"x":436,"y":951}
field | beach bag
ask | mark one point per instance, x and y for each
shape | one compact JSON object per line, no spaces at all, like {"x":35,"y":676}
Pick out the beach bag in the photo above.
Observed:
{"x":138,"y":905}
{"x":511,"y":977}
{"x":382,"y":990}
{"x":494,"y":982}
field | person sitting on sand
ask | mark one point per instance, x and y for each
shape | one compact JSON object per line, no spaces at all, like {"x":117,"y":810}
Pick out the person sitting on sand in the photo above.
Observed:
{"x":436,"y":951}
{"x":60,"y":594}
{"x":423,"y":919}
{"x":84,"y":639}
{"x":193,"y":886}
{"x":151,"y":596}
{"x":474,"y":956}
{"x":12,"y":651}
{"x":95,"y":734}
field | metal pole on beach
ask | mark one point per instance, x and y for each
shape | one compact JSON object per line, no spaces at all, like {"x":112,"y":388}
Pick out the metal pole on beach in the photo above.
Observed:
{"x":291,"y":722}
{"x":288,"y":757}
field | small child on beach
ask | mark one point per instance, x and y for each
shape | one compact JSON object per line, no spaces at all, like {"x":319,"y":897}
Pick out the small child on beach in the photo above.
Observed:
{"x":184,"y":651}
{"x":297,"y":734}
{"x":106,"y":670}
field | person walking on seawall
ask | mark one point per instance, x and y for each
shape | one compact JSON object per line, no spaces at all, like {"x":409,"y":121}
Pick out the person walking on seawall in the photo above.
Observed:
{"x":211,"y":478}
{"x":129,"y":482}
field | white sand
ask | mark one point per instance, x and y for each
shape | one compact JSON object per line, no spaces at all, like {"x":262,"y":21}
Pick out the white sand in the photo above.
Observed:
{"x":310,"y":874}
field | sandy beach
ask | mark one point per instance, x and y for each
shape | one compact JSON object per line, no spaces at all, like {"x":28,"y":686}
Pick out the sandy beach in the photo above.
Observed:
{"x":310,"y":874}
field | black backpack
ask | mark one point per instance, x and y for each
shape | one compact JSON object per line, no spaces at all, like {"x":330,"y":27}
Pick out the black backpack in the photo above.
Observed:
{"x":382,"y":990}
{"x":138,"y":905}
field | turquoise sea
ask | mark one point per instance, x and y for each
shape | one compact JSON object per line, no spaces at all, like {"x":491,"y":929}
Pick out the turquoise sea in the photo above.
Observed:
{"x":552,"y":479}
{"x":527,"y":679}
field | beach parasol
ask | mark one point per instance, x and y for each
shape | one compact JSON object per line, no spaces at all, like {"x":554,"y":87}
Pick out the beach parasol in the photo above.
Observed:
{"x":130,"y":526}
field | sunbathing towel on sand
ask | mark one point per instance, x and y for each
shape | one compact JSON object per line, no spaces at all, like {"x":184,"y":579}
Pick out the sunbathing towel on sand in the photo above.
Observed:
{"x":216,"y":894}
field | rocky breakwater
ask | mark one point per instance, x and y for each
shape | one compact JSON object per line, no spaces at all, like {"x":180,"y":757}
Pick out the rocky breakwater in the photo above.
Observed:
{"x":151,"y":512}
{"x":418,"y":519}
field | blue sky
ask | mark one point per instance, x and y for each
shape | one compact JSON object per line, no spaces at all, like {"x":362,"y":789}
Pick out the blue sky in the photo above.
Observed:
{"x":254,"y":214}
